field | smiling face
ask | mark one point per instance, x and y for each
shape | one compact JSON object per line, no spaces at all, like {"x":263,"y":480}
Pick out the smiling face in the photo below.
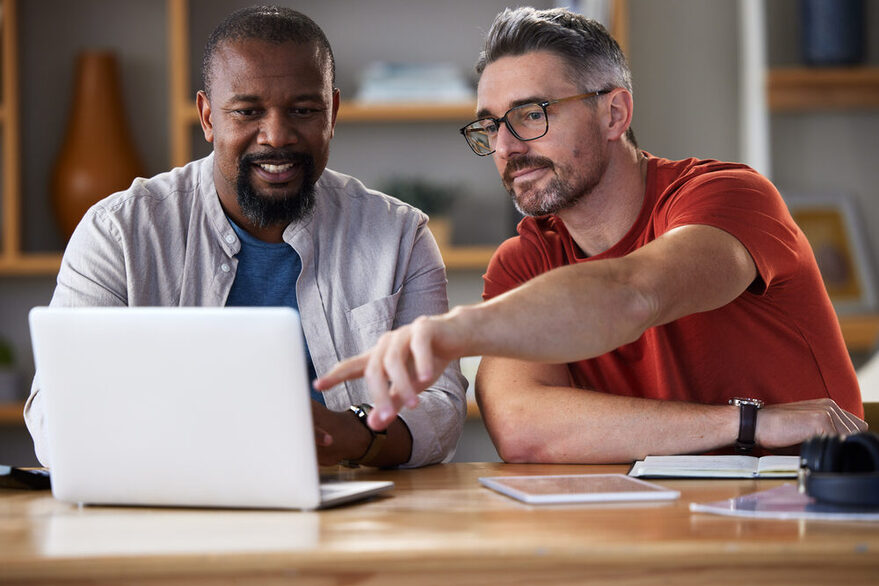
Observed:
{"x":551,"y":173}
{"x":270,"y":117}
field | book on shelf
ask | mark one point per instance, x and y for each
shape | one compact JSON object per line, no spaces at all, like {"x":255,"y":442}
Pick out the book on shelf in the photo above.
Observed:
{"x":384,"y":82}
{"x":716,"y":467}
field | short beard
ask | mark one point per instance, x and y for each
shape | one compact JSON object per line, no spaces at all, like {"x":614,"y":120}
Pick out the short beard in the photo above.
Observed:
{"x":556,"y":196}
{"x":265,"y":211}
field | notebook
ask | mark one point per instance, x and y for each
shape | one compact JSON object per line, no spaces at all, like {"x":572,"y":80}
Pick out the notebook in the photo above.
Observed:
{"x":191,"y":407}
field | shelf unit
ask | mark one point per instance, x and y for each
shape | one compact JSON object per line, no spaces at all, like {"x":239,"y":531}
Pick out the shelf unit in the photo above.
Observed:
{"x":799,"y":90}
{"x":803,"y":89}
{"x":14,"y":261}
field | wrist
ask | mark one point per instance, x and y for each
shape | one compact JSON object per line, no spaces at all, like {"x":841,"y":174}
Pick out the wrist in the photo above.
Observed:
{"x":456,"y":333}
{"x":463,"y":329}
{"x":369,"y":443}
{"x":747,"y":429}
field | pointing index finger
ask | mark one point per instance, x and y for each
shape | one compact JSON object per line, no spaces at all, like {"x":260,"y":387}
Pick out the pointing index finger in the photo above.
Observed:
{"x":345,"y":370}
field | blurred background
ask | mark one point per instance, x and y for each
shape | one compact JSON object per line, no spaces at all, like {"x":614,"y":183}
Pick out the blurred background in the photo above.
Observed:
{"x":699,"y":68}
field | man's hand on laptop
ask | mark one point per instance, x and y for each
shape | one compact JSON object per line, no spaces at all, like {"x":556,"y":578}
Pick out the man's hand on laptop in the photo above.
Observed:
{"x":338,"y":435}
{"x":403,"y":363}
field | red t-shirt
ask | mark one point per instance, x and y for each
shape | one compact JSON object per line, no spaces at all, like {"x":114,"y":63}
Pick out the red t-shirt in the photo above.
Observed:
{"x":779,"y":341}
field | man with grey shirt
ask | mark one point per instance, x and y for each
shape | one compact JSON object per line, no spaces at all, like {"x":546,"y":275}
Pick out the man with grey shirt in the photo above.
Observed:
{"x":261,"y":221}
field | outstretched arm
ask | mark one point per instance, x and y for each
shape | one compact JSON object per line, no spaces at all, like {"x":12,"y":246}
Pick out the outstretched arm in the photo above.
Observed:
{"x":687,"y":270}
{"x":612,"y":302}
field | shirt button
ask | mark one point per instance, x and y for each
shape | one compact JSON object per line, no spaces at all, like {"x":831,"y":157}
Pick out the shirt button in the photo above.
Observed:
{"x":225,"y":268}
{"x":230,"y":239}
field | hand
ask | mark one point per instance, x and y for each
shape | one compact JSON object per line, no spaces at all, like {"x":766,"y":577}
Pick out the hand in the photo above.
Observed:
{"x":789,"y":424}
{"x":403,"y":363}
{"x":337,"y":435}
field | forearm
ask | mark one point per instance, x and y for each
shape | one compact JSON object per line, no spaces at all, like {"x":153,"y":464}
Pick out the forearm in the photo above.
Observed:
{"x":534,"y":415}
{"x":567,"y":425}
{"x":586,"y":309}
{"x":565,"y":315}
{"x":340,"y":435}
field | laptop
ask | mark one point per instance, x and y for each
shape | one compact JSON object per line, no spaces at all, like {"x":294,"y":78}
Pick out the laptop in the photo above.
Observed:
{"x":187,"y":407}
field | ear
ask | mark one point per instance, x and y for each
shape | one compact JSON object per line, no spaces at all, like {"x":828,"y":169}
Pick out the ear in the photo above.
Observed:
{"x":204,"y":115}
{"x":622,"y":108}
{"x":337,"y":96}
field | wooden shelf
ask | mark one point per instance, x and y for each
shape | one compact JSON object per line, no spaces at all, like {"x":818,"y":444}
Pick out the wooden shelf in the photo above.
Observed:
{"x":27,"y":264}
{"x":804,"y":89}
{"x":467,"y":257}
{"x":12,"y":413}
{"x":407,"y":112}
{"x":458,"y":257}
{"x":861,"y":332}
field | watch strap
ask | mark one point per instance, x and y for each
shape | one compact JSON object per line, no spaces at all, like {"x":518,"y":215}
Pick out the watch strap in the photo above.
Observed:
{"x":747,"y":424}
{"x":376,"y":442}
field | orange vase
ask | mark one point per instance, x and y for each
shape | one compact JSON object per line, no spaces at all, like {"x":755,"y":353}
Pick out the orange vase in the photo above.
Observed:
{"x":97,"y":156}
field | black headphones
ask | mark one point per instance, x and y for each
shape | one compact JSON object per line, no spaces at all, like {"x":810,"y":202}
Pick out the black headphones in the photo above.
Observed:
{"x":843,"y":470}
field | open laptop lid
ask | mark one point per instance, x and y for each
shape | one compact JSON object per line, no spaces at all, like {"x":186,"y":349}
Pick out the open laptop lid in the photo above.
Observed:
{"x":177,"y":406}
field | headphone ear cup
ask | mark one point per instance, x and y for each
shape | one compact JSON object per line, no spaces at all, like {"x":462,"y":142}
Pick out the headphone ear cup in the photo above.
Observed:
{"x":829,"y":454}
{"x":813,"y":452}
{"x":859,"y":453}
{"x":842,"y":471}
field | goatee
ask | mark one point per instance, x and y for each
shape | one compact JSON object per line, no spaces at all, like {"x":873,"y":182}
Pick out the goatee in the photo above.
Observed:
{"x":264,"y":210}
{"x":556,"y":196}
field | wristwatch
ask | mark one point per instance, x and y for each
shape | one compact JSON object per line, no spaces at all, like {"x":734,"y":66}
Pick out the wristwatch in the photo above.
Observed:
{"x":375,"y":444}
{"x":747,"y":422}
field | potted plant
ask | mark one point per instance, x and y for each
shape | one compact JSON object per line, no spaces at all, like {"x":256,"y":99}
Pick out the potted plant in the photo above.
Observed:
{"x":434,"y":199}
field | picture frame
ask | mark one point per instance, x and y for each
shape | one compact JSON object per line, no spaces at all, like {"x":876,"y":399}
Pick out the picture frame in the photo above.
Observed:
{"x":833,"y":226}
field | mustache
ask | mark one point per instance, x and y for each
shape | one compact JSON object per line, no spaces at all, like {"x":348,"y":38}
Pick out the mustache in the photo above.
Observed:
{"x":523,"y":162}
{"x":277,"y":157}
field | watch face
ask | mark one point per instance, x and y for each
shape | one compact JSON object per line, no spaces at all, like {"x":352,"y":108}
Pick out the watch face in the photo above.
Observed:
{"x":739,"y":401}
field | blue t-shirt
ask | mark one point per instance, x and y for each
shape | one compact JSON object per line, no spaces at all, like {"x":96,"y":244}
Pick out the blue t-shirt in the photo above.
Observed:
{"x":266,"y":277}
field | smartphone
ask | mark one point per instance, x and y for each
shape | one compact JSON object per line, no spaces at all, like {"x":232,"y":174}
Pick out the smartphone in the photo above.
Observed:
{"x":24,"y":478}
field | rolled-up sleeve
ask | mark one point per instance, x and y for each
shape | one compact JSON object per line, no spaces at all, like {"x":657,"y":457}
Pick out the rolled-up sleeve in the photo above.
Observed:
{"x":438,"y":420}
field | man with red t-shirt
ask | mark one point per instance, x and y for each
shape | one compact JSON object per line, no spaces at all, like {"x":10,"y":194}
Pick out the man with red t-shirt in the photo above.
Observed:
{"x":647,"y":306}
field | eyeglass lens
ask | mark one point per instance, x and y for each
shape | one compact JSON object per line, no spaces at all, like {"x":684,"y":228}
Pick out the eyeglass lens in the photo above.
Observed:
{"x":526,"y":122}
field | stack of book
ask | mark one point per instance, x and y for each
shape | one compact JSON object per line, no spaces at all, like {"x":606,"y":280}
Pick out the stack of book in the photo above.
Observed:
{"x":384,"y":82}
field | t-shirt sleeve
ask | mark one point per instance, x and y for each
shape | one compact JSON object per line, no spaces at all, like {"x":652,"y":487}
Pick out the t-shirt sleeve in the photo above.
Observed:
{"x":515,"y":261}
{"x":745,"y":204}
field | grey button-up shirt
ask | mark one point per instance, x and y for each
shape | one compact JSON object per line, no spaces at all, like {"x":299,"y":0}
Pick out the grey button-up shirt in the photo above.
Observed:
{"x":369,"y":265}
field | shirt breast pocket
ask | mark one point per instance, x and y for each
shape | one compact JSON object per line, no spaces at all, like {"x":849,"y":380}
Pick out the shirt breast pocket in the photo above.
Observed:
{"x":369,"y":321}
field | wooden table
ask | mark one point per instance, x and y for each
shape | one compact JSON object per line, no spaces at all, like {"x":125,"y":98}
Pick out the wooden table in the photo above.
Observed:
{"x":439,"y":526}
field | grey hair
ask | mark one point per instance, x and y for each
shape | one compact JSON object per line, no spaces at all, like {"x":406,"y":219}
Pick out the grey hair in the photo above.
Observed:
{"x":593,"y":58}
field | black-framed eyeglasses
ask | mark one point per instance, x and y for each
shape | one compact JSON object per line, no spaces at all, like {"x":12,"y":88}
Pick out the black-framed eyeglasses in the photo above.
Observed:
{"x":525,"y":122}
